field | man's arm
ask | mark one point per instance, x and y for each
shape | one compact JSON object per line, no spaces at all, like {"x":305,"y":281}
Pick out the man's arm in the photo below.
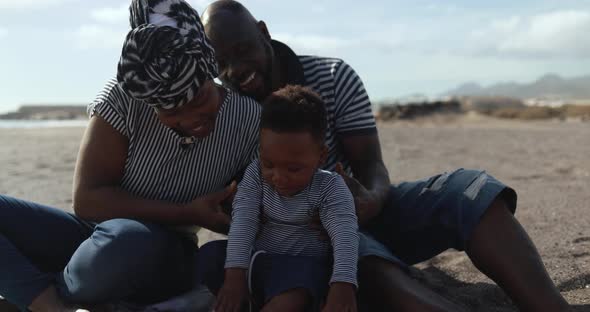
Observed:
{"x":370,"y":184}
{"x":357,"y":134}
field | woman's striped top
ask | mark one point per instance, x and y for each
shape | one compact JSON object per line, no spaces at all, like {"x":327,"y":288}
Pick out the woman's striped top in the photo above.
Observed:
{"x":162,"y":165}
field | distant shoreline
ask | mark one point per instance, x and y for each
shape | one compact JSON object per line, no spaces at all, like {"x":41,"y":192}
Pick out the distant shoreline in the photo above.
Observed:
{"x":47,"y":112}
{"x":36,"y":124}
{"x":42,"y":116}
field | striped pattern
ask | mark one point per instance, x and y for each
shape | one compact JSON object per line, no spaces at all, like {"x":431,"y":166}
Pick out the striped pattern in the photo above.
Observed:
{"x":347,"y":103}
{"x":285,"y":229}
{"x":160,"y":167}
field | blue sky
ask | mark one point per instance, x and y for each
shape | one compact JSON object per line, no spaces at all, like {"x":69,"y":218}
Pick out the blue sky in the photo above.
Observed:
{"x":62,"y":51}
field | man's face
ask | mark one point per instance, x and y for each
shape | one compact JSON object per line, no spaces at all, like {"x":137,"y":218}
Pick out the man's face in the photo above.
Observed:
{"x":243,"y":52}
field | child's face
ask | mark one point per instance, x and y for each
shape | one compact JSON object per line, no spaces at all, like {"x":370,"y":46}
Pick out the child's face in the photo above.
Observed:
{"x":289,"y":159}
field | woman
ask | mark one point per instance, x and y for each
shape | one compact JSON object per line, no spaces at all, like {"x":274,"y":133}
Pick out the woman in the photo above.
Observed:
{"x":161,"y":150}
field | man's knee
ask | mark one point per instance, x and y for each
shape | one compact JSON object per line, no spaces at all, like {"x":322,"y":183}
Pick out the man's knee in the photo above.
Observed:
{"x":501,"y":204}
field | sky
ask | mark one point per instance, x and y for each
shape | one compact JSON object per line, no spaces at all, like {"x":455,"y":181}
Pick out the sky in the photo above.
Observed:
{"x":63,"y":51}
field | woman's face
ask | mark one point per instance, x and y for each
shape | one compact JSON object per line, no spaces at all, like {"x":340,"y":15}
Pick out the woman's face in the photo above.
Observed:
{"x":197,"y":117}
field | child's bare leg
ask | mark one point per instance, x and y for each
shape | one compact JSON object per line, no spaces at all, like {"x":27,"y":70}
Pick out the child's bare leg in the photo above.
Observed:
{"x":49,"y":301}
{"x":290,"y":301}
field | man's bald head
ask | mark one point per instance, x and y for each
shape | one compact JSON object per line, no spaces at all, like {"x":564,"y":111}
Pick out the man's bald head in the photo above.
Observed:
{"x":227,"y":7}
{"x":242,"y":46}
{"x":224,"y":17}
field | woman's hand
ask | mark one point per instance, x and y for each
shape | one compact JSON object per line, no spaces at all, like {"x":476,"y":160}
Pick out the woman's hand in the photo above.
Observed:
{"x":341,"y":298}
{"x":209,"y":212}
{"x":234,"y":292}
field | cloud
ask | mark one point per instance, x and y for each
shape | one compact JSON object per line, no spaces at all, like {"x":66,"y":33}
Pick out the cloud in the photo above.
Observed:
{"x":110,"y":15}
{"x":312,"y":44}
{"x":120,"y":14}
{"x":331,"y":45}
{"x":441,"y":8}
{"x":548,"y":35}
{"x":29,"y":4}
{"x":107,"y":28}
{"x":110,"y":25}
{"x":318,"y":8}
{"x":94,"y":36}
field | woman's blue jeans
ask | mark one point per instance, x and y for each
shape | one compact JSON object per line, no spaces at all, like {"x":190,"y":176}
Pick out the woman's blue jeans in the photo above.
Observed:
{"x":116,"y":260}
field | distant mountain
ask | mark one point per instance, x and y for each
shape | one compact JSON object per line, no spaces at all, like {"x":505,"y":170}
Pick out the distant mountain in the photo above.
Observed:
{"x":550,"y":86}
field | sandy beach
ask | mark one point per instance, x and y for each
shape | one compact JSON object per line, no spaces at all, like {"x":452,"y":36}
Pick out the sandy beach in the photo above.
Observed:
{"x":547,"y":162}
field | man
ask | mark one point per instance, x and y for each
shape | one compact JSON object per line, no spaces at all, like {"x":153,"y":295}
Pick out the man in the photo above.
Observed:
{"x":402,"y":224}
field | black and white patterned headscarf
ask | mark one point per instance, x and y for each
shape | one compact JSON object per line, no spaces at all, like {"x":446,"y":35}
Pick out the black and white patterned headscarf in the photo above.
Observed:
{"x":166,"y":57}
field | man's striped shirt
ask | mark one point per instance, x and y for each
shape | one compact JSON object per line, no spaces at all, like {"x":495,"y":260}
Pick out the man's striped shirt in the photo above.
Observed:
{"x":347,"y":103}
{"x":342,"y":90}
{"x":163,"y":165}
{"x":285,"y":228}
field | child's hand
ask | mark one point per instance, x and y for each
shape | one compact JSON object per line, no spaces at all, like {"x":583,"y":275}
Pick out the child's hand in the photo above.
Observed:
{"x":234,"y":292}
{"x":341,"y":298}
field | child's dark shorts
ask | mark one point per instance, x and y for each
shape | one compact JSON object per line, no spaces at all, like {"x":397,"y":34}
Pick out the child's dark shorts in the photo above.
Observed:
{"x":274,"y":274}
{"x":270,"y":274}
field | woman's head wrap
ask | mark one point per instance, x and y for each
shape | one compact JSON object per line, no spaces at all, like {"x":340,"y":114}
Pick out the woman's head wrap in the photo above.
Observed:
{"x":166,"y":57}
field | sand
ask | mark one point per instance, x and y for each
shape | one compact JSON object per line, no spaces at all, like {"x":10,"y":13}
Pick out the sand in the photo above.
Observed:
{"x":547,"y":162}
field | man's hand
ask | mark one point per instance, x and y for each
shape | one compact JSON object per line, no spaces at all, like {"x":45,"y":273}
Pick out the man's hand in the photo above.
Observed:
{"x":208,"y":210}
{"x":367,"y":204}
{"x":234,"y":292}
{"x":341,"y":298}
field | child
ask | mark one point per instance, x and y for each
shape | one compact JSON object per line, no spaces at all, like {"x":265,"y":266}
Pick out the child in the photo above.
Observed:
{"x":292,"y":267}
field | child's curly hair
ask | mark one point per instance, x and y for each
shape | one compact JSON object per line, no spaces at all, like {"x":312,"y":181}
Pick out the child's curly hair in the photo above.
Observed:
{"x":294,"y":109}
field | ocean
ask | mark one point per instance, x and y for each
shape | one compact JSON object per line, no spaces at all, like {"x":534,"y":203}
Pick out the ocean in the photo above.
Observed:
{"x":34,"y":124}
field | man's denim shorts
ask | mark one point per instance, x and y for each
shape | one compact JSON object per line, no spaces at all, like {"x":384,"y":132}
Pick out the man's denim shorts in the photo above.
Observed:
{"x":424,"y":218}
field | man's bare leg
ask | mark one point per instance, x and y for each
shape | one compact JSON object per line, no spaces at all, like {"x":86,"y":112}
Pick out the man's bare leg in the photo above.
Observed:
{"x":501,"y":249}
{"x":387,"y":287}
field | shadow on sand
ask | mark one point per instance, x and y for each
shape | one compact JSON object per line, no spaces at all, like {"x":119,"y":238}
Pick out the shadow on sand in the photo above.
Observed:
{"x":484,"y":297}
{"x":477,"y":297}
